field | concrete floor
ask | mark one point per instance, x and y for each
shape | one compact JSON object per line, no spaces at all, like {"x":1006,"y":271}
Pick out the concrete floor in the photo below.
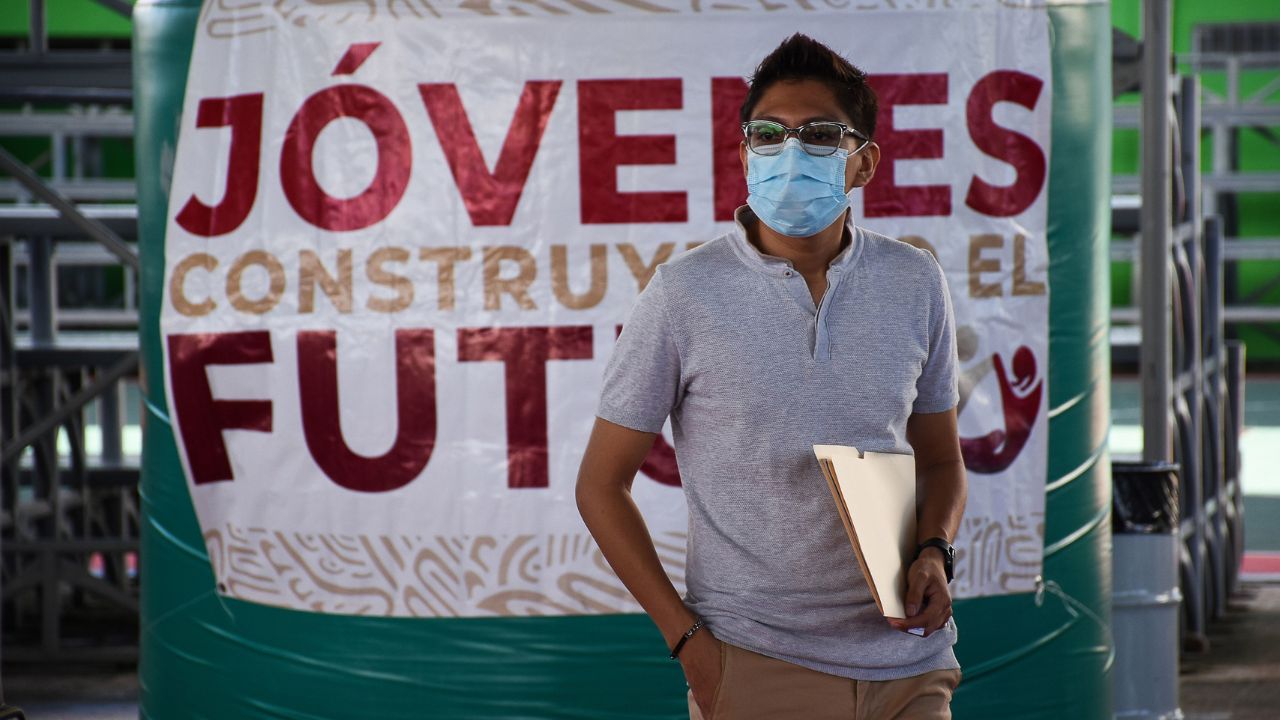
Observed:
{"x":73,"y":693}
{"x":1239,"y":678}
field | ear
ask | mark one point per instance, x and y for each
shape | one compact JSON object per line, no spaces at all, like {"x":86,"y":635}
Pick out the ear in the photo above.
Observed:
{"x":742,"y":155}
{"x":868,"y":159}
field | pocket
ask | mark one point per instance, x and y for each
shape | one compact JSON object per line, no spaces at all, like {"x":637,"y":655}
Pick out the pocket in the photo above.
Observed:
{"x":717,"y":693}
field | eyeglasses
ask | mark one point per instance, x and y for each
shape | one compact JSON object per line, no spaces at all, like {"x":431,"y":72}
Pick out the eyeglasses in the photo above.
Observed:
{"x":766,"y":137}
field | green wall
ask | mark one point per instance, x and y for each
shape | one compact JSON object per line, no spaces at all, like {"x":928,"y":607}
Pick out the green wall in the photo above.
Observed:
{"x":1259,"y":213}
{"x":66,"y":19}
{"x":1127,"y":15}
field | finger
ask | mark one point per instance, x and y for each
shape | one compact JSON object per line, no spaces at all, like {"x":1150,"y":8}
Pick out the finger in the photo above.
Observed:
{"x":915,"y":593}
{"x":932,"y":603}
{"x":941,"y":624}
{"x":921,"y":588}
{"x":939,"y":611}
{"x":920,"y":621}
{"x":929,"y":620}
{"x":932,"y":620}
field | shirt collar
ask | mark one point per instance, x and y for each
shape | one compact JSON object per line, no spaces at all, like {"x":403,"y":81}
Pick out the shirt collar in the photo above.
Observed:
{"x":771,"y":265}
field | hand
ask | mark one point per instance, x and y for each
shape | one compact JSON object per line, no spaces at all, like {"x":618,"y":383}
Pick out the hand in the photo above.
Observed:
{"x":928,"y":598}
{"x":700,"y":659}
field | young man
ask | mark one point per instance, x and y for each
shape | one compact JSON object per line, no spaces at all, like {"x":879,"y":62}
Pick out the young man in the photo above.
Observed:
{"x":796,"y":328}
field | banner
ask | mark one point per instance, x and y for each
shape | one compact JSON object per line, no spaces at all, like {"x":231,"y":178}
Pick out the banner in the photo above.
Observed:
{"x":403,"y":236}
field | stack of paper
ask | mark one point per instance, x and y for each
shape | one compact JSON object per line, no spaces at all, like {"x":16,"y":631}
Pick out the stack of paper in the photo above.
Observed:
{"x":876,"y":496}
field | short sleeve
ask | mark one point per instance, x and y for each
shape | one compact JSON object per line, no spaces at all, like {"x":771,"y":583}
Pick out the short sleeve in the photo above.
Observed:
{"x":642,"y":381}
{"x":936,"y":389}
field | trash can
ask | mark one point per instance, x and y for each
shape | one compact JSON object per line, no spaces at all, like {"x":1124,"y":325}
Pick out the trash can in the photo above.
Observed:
{"x":1145,"y":595}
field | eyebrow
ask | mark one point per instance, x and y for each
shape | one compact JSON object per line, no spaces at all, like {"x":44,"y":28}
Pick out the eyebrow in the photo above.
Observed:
{"x":806,"y":121}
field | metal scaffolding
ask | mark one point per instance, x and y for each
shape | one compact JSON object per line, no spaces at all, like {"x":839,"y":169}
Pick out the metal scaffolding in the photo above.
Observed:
{"x":68,"y":489}
{"x":1176,"y":342}
{"x":1224,"y":116}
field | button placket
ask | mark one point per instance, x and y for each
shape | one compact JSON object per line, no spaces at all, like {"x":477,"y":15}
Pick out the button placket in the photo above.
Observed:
{"x":822,"y":336}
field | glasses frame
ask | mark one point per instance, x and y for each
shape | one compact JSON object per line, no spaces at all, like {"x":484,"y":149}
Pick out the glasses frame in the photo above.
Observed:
{"x":789,"y":131}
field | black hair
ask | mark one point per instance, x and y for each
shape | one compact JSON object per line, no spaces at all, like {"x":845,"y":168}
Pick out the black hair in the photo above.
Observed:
{"x":800,"y":57}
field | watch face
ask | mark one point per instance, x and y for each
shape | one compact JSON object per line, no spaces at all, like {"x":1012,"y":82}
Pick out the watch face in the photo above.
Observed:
{"x":948,"y":554}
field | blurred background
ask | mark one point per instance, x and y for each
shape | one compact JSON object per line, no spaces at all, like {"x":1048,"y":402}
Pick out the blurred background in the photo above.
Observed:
{"x":70,"y":510}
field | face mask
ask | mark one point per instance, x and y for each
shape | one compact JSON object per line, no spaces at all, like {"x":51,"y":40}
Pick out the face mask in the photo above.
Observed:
{"x":795,"y":193}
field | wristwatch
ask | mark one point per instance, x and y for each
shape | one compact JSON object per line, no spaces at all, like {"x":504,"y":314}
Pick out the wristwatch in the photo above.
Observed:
{"x":948,"y":554}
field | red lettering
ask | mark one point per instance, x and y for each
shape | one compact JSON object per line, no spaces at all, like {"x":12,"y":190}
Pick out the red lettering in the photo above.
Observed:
{"x":201,"y":418}
{"x":727,"y":95}
{"x":354,"y":57}
{"x":1001,"y":143}
{"x":524,"y":352}
{"x":390,"y":178}
{"x":884,"y":197}
{"x":243,"y":114}
{"x":490,"y":197}
{"x":601,"y":151}
{"x":415,"y":412}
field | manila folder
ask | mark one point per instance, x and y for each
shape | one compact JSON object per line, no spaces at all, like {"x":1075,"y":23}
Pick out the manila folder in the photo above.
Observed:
{"x":876,"y":496}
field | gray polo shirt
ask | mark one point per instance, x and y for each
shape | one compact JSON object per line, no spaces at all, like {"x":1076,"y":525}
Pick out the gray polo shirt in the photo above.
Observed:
{"x":728,"y":343}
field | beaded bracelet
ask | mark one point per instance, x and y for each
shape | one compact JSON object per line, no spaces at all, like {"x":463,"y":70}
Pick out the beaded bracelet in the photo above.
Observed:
{"x":688,"y":634}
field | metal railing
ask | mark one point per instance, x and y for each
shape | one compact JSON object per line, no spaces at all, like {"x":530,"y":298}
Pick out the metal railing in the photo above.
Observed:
{"x":69,"y":515}
{"x":1222,"y":116}
{"x":1206,"y":384}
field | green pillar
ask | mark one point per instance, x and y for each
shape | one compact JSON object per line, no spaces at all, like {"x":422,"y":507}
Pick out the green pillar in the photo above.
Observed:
{"x":1052,"y":659}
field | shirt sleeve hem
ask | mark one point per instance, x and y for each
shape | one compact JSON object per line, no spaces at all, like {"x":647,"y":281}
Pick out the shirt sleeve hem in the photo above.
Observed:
{"x":928,"y":406}
{"x":631,"y":420}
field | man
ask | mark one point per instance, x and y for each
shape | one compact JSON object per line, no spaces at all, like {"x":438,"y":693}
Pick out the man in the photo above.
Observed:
{"x":796,"y":328}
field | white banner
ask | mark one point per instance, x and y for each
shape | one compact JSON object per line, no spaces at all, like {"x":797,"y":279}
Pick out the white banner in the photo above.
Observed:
{"x":402,"y":238}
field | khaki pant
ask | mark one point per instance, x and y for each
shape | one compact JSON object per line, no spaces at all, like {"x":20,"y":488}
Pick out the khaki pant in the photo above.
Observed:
{"x":758,"y":687}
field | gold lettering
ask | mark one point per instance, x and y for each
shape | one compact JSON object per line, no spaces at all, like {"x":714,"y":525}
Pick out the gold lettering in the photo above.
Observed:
{"x":381,"y":276}
{"x":979,"y":265}
{"x":517,"y":287}
{"x":1021,"y":285}
{"x":446,"y":279}
{"x":177,"y":285}
{"x":640,"y":270}
{"x":275,"y":271}
{"x":560,"y":278}
{"x":312,"y":271}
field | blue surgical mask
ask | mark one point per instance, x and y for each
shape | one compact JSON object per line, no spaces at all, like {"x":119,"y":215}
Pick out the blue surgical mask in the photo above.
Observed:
{"x":795,"y":193}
